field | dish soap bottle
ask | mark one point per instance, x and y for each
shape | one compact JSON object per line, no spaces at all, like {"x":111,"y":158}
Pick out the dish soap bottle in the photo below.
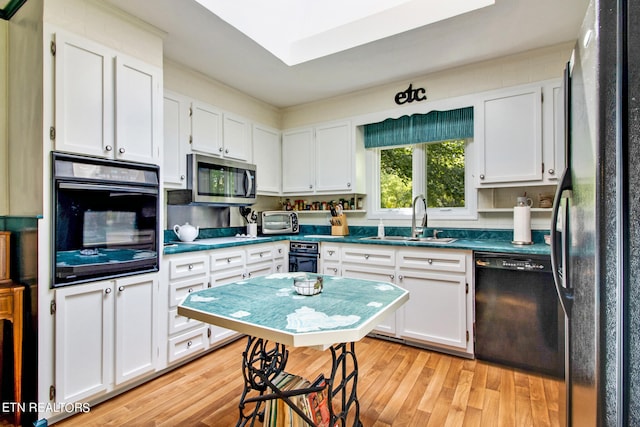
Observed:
{"x":380,"y":229}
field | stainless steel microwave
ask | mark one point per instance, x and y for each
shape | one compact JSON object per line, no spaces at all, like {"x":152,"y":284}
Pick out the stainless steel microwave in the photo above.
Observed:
{"x":216,"y":181}
{"x":279,"y":222}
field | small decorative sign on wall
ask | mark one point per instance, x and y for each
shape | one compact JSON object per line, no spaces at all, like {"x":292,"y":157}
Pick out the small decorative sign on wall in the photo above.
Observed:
{"x":410,"y":94}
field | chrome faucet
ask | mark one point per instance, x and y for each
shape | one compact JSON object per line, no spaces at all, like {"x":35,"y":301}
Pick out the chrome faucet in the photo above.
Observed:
{"x":418,"y":230}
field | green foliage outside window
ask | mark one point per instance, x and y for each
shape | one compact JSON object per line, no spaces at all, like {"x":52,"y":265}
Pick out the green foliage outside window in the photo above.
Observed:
{"x":444,"y":164}
{"x":445,"y":174}
{"x":396,"y":174}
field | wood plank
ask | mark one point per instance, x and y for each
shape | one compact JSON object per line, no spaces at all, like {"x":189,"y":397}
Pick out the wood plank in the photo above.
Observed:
{"x":398,"y":385}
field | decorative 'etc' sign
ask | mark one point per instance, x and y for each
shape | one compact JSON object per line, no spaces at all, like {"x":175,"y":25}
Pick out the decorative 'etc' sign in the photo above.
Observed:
{"x":411,"y":95}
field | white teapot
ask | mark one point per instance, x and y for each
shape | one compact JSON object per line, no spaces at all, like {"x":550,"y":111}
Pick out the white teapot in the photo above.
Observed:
{"x":186,"y":232}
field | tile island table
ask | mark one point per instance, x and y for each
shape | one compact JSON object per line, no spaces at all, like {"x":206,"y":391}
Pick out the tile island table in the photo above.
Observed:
{"x":273,"y":316}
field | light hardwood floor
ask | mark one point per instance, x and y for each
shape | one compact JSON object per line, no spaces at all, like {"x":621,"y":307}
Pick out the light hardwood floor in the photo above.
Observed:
{"x":398,"y":385}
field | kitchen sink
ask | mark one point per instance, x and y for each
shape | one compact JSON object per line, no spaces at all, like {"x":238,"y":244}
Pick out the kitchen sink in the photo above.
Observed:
{"x":412,"y":239}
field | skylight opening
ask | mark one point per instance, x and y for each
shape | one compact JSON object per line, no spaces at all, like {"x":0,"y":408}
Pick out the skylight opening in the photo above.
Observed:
{"x":297,"y":31}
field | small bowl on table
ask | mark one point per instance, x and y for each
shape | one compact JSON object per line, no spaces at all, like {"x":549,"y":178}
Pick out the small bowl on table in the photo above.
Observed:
{"x":308,"y":285}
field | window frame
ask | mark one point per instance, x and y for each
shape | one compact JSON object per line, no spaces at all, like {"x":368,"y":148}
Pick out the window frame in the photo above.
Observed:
{"x":469,"y":212}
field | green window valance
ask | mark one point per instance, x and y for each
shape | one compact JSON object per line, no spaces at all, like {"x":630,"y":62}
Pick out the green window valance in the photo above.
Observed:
{"x":419,"y":128}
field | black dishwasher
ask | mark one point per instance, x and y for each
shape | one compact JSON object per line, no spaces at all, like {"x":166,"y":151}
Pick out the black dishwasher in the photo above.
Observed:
{"x":519,"y":320}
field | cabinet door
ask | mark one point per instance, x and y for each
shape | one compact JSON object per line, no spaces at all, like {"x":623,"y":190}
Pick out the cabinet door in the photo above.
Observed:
{"x":83,"y":97}
{"x":83,"y":340}
{"x":334,"y":157}
{"x":511,"y":145}
{"x":436,"y":312}
{"x":176,"y":140}
{"x":298,"y":168}
{"x":267,"y":155}
{"x":388,"y":326}
{"x":135,"y":330}
{"x":236,"y":135}
{"x":206,"y":129}
{"x":553,"y":124}
{"x":137,"y":111}
{"x":260,"y":253}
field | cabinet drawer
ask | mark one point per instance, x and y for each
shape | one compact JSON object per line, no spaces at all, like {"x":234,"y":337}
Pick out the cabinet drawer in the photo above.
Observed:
{"x":227,"y":259}
{"x":188,"y":344}
{"x":432,"y":260}
{"x":331,"y":268}
{"x":280,"y":250}
{"x":188,"y":266}
{"x":260,"y":253}
{"x":6,"y":305}
{"x":178,"y":324}
{"x":329,"y":252}
{"x":179,"y":290}
{"x":369,"y":255}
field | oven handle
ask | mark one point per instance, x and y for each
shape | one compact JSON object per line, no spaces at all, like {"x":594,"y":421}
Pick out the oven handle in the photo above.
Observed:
{"x":123,"y":189}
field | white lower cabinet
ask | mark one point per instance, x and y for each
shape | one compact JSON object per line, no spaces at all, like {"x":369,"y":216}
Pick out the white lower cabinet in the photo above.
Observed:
{"x":105,"y":335}
{"x":190,"y":272}
{"x":370,"y":262}
{"x":440,"y":307}
{"x":439,"y":312}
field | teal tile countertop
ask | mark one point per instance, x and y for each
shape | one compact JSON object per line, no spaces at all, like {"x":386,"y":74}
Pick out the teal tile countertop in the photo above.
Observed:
{"x":490,"y":240}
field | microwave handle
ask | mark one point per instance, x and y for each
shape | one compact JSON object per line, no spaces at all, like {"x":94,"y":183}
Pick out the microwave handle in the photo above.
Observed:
{"x":249,"y":185}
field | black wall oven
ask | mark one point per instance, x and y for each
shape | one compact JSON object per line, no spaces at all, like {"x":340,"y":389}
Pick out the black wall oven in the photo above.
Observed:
{"x":105,"y":219}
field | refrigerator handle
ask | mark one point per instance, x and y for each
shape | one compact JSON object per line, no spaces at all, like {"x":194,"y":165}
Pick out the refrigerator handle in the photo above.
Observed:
{"x":558,"y":242}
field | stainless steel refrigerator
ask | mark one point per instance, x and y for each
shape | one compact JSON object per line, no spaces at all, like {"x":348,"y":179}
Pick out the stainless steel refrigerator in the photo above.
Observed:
{"x":596,"y":219}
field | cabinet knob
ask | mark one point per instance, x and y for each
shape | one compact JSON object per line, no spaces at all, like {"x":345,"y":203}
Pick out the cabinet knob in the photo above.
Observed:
{"x":189,"y":344}
{"x":400,"y":277}
{"x":190,"y":290}
{"x":279,"y":250}
{"x":391,"y":276}
{"x":278,"y":267}
{"x":182,"y":177}
{"x":261,"y":254}
{"x":228,"y":260}
{"x":366,"y":256}
{"x":249,"y":275}
{"x":226,"y":151}
{"x":552,"y":171}
{"x":108,"y":148}
{"x":107,"y":291}
{"x":331,"y":253}
{"x":335,"y":270}
{"x":430,"y":261}
{"x":310,"y":186}
{"x":121,"y":150}
{"x":220,"y":149}
{"x":121,"y":288}
{"x":481,"y":176}
{"x":348,"y":185}
{"x":190,"y":267}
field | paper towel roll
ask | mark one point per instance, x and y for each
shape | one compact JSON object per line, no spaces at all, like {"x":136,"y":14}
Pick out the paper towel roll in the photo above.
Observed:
{"x":522,"y":224}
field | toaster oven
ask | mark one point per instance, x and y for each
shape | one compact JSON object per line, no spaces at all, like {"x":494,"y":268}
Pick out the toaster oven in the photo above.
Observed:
{"x":279,"y":222}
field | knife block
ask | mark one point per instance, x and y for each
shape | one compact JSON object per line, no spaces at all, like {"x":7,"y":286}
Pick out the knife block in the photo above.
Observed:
{"x":342,"y":229}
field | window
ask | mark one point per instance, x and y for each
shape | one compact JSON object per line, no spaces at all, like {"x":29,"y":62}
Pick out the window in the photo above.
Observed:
{"x":438,"y":170}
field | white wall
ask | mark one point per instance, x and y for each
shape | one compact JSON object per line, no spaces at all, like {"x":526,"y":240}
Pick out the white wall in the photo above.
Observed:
{"x":526,"y":67}
{"x":188,"y":82}
{"x":4,"y":173}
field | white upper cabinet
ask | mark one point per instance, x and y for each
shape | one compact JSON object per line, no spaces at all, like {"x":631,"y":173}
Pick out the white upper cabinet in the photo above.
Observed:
{"x":83,"y":96}
{"x":218,"y":133}
{"x":137,"y":109}
{"x":176,"y":139}
{"x":319,"y":160}
{"x":106,"y":104}
{"x":206,"y":129}
{"x":267,"y":155}
{"x":236,"y":135}
{"x":510,"y":143}
{"x":334,"y":157}
{"x":298,"y":166}
{"x":553,"y":126}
